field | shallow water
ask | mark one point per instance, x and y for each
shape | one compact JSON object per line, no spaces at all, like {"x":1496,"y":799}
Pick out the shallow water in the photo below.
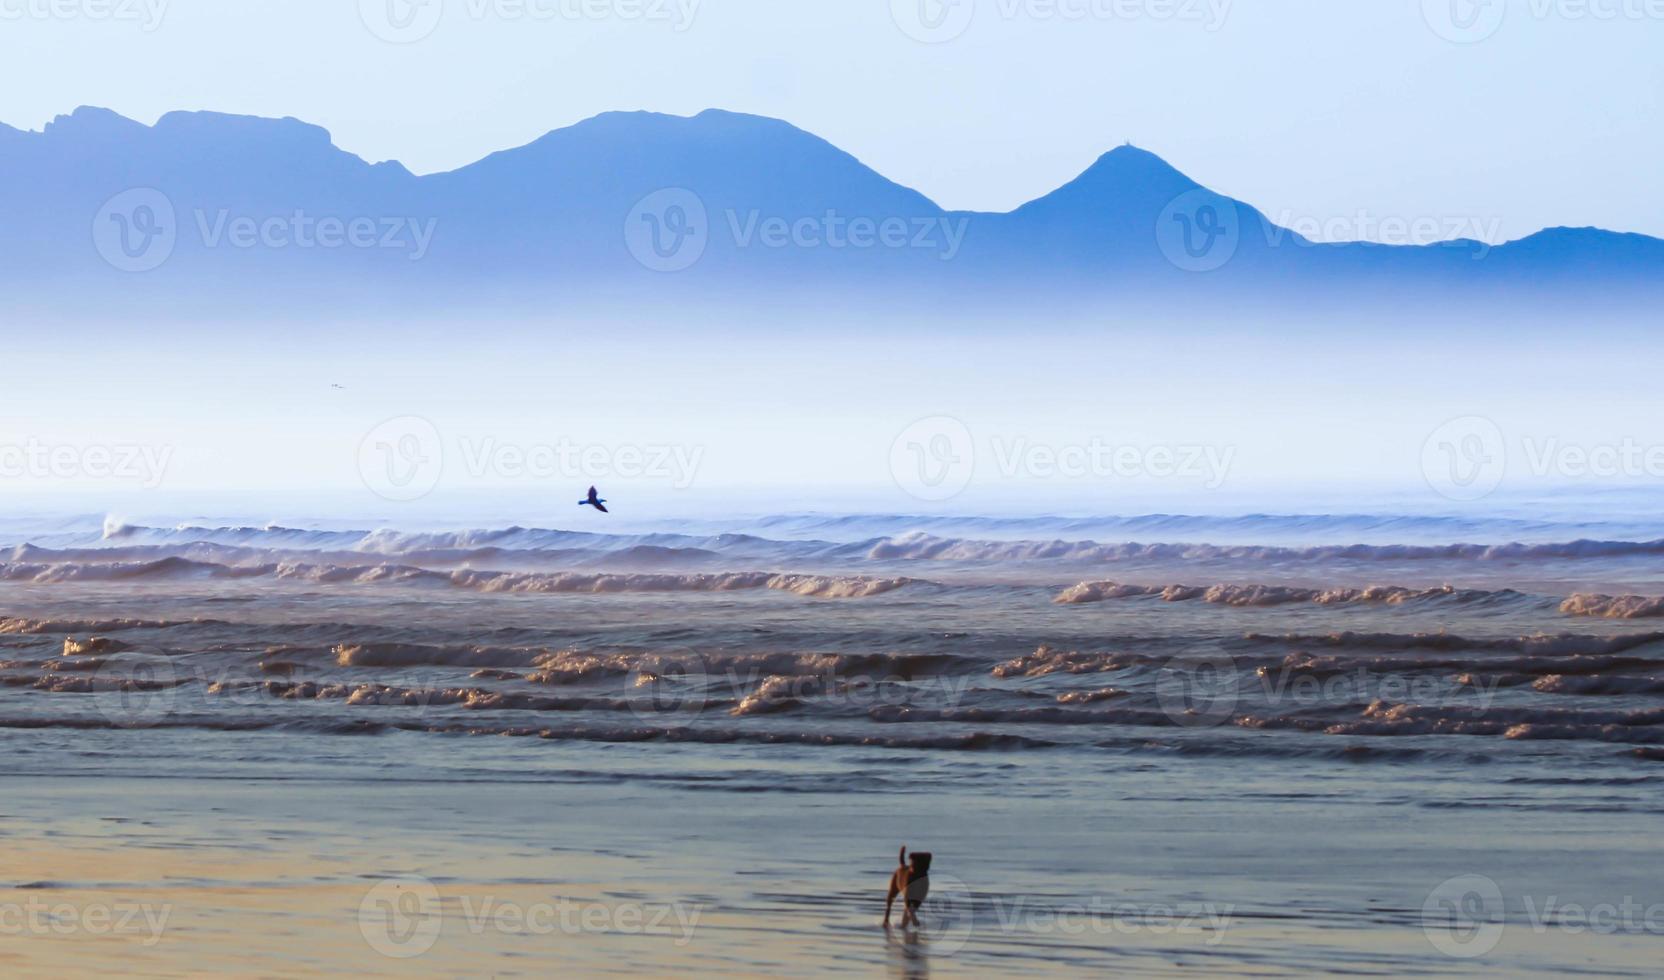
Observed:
{"x":1300,"y":730}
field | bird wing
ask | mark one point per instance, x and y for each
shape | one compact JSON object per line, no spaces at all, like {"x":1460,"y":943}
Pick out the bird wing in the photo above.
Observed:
{"x":602,"y":508}
{"x":592,"y":495}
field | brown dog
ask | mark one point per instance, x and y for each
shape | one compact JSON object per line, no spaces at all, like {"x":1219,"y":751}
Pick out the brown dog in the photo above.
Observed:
{"x":911,"y":881}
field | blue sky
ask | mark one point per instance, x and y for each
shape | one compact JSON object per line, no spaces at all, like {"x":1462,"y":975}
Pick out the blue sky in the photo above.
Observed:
{"x":1332,"y":117}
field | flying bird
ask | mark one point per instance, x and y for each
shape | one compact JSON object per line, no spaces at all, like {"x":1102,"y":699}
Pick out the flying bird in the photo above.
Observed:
{"x":599,"y":503}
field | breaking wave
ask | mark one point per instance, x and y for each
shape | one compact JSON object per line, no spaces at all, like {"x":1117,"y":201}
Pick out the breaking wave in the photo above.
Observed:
{"x":20,"y":625}
{"x":1614,"y":607}
{"x":812,"y":586}
{"x":911,"y":539}
{"x":385,"y":631}
{"x":923,"y":547}
{"x":1562,"y":644}
{"x":1277,"y":595}
{"x":1046,"y":661}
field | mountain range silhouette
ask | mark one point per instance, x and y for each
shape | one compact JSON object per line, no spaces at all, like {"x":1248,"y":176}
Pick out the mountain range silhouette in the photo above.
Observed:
{"x":208,"y":208}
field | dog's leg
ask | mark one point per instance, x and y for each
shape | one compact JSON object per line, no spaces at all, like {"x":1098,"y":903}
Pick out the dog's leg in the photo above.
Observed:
{"x":890,"y":900}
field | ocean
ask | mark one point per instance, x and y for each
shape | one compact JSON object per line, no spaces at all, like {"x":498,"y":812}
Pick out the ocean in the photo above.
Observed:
{"x":1253,"y":744}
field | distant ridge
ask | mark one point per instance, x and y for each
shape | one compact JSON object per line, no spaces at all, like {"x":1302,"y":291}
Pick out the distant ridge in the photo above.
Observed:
{"x":216,"y":208}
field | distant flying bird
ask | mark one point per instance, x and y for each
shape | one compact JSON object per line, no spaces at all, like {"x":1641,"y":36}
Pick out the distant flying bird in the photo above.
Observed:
{"x":338,"y":387}
{"x":599,"y":503}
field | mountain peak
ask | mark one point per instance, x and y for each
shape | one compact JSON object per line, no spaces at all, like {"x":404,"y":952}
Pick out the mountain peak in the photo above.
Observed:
{"x":225,"y":126}
{"x":1132,"y":163}
{"x":1127,"y":178}
{"x":707,"y":124}
{"x":92,"y":121}
{"x":723,"y":156}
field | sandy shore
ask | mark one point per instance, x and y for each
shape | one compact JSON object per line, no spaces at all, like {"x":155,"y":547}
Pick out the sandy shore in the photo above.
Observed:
{"x":195,"y":877}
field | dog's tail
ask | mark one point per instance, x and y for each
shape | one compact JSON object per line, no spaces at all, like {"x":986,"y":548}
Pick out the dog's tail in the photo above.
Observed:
{"x":903,"y":858}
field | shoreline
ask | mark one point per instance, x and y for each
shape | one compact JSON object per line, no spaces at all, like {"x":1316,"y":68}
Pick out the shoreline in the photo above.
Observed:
{"x":672,"y":880}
